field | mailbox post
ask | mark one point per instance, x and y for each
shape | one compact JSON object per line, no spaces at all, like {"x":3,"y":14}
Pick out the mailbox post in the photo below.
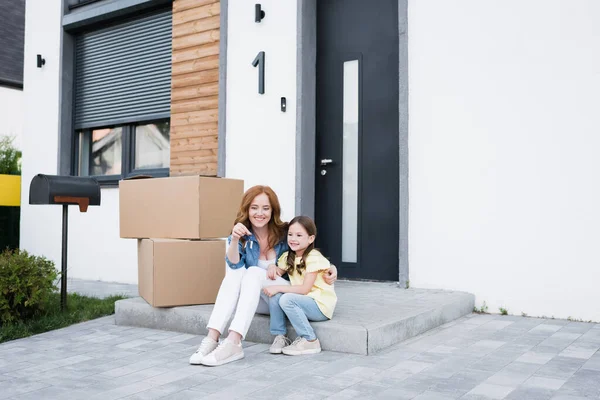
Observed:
{"x":64,"y":190}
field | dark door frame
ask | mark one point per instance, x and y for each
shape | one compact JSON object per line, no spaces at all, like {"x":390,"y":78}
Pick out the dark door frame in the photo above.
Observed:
{"x":306,"y":61}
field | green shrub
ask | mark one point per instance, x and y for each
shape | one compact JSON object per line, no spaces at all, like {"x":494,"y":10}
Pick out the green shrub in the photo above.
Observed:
{"x":10,"y":157}
{"x":26,"y":283}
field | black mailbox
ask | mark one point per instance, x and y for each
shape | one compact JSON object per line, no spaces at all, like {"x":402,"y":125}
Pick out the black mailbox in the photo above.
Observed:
{"x":64,"y":190}
{"x":53,"y":189}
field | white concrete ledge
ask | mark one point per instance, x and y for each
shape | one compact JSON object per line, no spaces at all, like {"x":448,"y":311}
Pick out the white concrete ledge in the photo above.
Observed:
{"x":369,"y":316}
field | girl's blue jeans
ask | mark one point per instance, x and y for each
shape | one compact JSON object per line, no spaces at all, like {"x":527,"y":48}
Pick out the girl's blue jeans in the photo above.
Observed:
{"x":299,"y":309}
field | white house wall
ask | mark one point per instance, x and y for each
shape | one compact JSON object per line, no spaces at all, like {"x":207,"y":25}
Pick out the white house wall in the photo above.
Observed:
{"x":503,"y":147}
{"x":95,"y":249}
{"x":261,"y":139}
{"x":11,"y":109}
{"x":40,"y":225}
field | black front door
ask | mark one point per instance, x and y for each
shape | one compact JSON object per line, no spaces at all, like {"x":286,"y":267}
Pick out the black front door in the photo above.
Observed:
{"x":357,"y":169}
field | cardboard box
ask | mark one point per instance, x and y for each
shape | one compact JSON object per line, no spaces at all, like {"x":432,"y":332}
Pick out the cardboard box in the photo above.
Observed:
{"x":180,"y":272}
{"x":183,"y":207}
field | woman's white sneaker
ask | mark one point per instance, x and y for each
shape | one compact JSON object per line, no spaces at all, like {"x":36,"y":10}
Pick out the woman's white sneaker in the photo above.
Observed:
{"x":206,"y":347}
{"x":302,"y":346}
{"x":279,"y":343}
{"x":225,"y":353}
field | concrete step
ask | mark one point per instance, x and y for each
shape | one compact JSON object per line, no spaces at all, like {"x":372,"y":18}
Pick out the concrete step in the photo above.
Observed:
{"x":369,"y":316}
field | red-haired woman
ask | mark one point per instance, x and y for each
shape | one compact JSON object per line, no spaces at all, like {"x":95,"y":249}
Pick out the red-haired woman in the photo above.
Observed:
{"x":257,"y":241}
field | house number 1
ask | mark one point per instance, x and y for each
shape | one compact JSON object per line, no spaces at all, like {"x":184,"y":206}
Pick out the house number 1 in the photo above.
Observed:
{"x":260,"y":62}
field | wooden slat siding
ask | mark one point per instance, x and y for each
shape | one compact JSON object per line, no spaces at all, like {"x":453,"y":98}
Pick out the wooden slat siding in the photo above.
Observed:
{"x":208,"y":89}
{"x":202,"y":64}
{"x":204,"y":103}
{"x":198,"y":13}
{"x":190,"y":28}
{"x":182,"y":5}
{"x":196,"y":39}
{"x":192,"y":169}
{"x":195,"y":87}
{"x":195,"y":53}
{"x":206,"y":143}
{"x":195,"y":78}
{"x":196,"y":157}
{"x":194,"y":117}
{"x":197,"y":130}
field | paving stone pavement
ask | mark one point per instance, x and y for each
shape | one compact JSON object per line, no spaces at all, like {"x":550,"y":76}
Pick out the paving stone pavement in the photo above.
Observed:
{"x":475,"y":357}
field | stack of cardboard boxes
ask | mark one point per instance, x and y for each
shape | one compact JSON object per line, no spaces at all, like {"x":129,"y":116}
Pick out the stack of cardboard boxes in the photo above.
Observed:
{"x":181,"y":224}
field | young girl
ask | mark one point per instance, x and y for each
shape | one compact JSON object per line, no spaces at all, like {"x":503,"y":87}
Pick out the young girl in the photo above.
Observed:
{"x":309,"y":298}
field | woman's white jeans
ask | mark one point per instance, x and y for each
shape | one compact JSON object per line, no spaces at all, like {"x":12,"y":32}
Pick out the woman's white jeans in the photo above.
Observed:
{"x":241,"y":293}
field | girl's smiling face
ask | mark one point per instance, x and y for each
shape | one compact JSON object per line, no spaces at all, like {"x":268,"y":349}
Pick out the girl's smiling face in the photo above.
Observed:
{"x":260,"y":211}
{"x":299,"y":239}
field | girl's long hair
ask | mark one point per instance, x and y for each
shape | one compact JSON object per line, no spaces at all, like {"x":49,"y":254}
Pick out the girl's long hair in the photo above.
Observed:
{"x":277,"y":228}
{"x":310,"y":227}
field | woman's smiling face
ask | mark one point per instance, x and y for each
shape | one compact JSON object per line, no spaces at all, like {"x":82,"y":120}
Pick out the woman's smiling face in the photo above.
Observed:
{"x":260,"y":211}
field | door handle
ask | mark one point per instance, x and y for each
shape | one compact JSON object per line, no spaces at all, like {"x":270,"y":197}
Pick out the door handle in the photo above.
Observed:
{"x":326,"y":161}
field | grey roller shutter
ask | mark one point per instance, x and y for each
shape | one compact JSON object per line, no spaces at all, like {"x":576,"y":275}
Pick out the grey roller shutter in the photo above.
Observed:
{"x":123,"y":73}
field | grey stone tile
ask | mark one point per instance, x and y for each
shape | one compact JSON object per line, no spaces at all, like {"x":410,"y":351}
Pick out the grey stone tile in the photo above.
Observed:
{"x":491,"y":391}
{"x":460,"y":383}
{"x":530,"y":393}
{"x":444,"y":349}
{"x":369,"y":389}
{"x":418,"y":383}
{"x":546,"y":328}
{"x":584,"y":383}
{"x":560,"y":367}
{"x":568,"y":397}
{"x":395,"y":393}
{"x":428,"y":395}
{"x":14,"y":388}
{"x":350,"y":394}
{"x":411,"y":366}
{"x":154,"y":393}
{"x":49,"y":393}
{"x":279,"y":390}
{"x":544,"y":382}
{"x":497,"y":324}
{"x":580,"y":350}
{"x":536,"y":358}
{"x":430,"y":357}
{"x":505,"y":378}
{"x":172,"y":376}
{"x":522,"y":368}
{"x":185,"y":395}
{"x":306,"y":395}
{"x":241,"y":390}
{"x":494,"y":362}
{"x":361,"y":372}
{"x":592,"y":364}
{"x":333,"y":384}
{"x":577,"y":327}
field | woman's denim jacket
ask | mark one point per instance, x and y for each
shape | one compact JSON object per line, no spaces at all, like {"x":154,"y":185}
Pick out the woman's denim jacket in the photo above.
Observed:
{"x":250,"y":251}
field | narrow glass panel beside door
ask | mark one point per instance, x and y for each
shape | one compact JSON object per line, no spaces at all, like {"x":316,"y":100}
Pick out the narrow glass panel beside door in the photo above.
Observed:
{"x":350,"y":163}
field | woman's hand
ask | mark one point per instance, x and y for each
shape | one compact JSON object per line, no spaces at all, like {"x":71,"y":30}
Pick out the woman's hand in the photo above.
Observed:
{"x":272,"y":273}
{"x":239,"y":230}
{"x":331,"y":275}
{"x":270,"y":291}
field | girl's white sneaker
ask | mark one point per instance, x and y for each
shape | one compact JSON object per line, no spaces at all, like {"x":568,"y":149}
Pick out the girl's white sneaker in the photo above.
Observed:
{"x":279,"y":343}
{"x":301,"y":346}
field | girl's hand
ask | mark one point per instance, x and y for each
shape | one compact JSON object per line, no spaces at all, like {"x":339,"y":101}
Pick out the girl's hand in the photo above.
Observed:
{"x":272,"y":272}
{"x":331,"y":275}
{"x":270,"y":291}
{"x":239,"y":230}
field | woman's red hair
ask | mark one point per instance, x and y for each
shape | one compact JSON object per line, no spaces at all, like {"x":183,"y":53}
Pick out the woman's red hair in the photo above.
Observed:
{"x":277,"y":228}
